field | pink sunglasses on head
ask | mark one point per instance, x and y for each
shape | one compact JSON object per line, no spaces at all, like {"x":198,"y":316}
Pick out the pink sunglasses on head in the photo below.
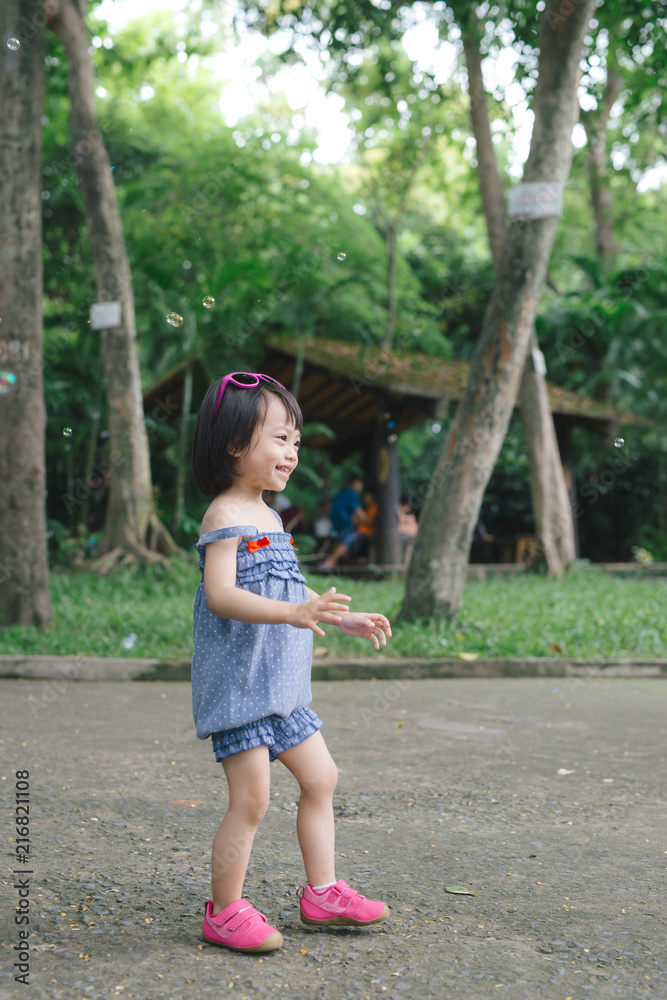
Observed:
{"x":252,"y":384}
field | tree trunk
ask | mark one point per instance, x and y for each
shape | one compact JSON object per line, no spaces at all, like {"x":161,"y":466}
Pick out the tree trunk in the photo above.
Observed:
{"x":24,"y":574}
{"x":596,"y":123}
{"x":437,"y":569}
{"x":182,"y":452}
{"x":551,"y":501}
{"x":130,"y":522}
{"x":551,"y":509}
{"x":490,"y":181}
{"x":391,"y":237}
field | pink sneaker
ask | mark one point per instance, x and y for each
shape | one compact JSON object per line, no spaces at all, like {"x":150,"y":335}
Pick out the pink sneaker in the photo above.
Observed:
{"x":339,"y":905}
{"x":240,"y":927}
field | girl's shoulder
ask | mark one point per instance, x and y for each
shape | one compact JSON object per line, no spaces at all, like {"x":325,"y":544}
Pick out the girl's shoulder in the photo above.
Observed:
{"x":228,"y":512}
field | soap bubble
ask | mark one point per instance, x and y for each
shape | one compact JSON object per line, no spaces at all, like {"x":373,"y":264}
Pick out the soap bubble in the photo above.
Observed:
{"x":8,"y":382}
{"x":208,"y":302}
{"x":13,"y":43}
{"x":129,"y":641}
{"x":619,"y":442}
{"x":342,"y":256}
{"x":67,"y":432}
{"x":174,"y":319}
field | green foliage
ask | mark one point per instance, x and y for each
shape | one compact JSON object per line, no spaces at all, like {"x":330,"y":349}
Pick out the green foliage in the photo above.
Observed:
{"x":588,"y":614}
{"x":507,"y":506}
{"x":245,"y":216}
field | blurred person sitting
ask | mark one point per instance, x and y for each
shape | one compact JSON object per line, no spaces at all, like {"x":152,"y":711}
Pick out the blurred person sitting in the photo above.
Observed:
{"x":351,"y":539}
{"x":407,"y":530}
{"x":323,"y":531}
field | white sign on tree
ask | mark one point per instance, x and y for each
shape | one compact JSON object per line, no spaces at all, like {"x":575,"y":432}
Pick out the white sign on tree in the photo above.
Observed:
{"x":536,"y":200}
{"x":105,"y":315}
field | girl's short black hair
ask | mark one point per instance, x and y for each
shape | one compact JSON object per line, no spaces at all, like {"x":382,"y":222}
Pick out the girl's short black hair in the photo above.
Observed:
{"x":219,"y":440}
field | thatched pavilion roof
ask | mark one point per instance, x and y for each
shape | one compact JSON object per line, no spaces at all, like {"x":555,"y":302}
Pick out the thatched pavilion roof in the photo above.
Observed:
{"x":341,"y":382}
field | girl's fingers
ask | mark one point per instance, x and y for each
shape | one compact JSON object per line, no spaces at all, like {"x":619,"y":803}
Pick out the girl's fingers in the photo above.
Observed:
{"x":339,"y":597}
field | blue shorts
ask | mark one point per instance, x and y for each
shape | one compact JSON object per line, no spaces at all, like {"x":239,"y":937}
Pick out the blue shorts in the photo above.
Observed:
{"x":348,"y":537}
{"x":273,"y":731}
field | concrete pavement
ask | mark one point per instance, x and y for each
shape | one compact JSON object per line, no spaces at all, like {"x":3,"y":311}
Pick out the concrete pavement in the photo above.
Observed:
{"x":544,"y":796}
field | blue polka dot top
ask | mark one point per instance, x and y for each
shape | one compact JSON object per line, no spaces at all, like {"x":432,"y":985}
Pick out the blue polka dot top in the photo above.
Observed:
{"x":243,"y":672}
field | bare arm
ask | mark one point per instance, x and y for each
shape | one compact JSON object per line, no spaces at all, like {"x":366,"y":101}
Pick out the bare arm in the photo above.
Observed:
{"x":227,"y":600}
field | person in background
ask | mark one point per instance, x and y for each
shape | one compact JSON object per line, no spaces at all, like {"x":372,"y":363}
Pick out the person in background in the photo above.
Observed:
{"x":345,"y":503}
{"x":407,"y":529}
{"x":349,"y":538}
{"x":366,"y":527}
{"x":322,"y":526}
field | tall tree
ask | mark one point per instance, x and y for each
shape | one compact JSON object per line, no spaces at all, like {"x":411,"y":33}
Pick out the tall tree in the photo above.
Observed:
{"x":551,"y":502}
{"x":396,"y":131}
{"x":436,"y":574}
{"x":24,"y":579}
{"x":624,"y":64}
{"x":131,"y":526}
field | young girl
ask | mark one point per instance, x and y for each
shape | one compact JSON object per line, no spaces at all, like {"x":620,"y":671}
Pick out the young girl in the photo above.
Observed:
{"x":254,"y":620}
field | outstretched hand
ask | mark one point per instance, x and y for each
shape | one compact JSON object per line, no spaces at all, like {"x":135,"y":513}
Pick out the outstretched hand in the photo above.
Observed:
{"x":324,"y":608}
{"x":366,"y":626}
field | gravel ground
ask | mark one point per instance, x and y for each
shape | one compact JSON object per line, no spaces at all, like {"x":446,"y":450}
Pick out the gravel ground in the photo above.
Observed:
{"x":442,"y":782}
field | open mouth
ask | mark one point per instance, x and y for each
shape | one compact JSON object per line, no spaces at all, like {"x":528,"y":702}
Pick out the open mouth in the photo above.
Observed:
{"x":284,"y":471}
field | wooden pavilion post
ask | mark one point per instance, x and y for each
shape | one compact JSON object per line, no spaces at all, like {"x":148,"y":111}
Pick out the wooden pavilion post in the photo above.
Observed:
{"x":385,"y":468}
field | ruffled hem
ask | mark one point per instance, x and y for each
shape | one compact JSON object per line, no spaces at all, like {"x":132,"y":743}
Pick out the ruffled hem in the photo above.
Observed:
{"x":275,"y":732}
{"x":276,"y":559}
{"x":253,"y":574}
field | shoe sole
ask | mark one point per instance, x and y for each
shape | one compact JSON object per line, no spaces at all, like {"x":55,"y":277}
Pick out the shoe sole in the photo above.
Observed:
{"x":271,"y":943}
{"x":346,"y":921}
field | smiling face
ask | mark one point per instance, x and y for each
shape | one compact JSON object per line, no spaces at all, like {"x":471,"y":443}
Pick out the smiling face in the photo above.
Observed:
{"x":273,"y":452}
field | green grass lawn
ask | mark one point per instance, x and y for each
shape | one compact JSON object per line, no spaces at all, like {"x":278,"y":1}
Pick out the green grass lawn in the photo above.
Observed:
{"x":589,"y":614}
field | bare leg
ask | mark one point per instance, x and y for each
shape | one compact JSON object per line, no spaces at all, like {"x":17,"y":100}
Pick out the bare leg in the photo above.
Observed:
{"x":311,"y":764}
{"x":248,"y":778}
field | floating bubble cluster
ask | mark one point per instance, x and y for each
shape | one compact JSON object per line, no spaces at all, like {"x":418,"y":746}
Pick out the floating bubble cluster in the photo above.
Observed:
{"x":342,"y":256}
{"x":208,"y":302}
{"x":619,"y":442}
{"x":174,"y":319}
{"x":67,"y":432}
{"x":13,"y":43}
{"x":8,"y":382}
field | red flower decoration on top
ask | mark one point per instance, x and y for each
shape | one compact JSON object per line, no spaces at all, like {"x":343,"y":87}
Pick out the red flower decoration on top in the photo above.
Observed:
{"x":258,"y":543}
